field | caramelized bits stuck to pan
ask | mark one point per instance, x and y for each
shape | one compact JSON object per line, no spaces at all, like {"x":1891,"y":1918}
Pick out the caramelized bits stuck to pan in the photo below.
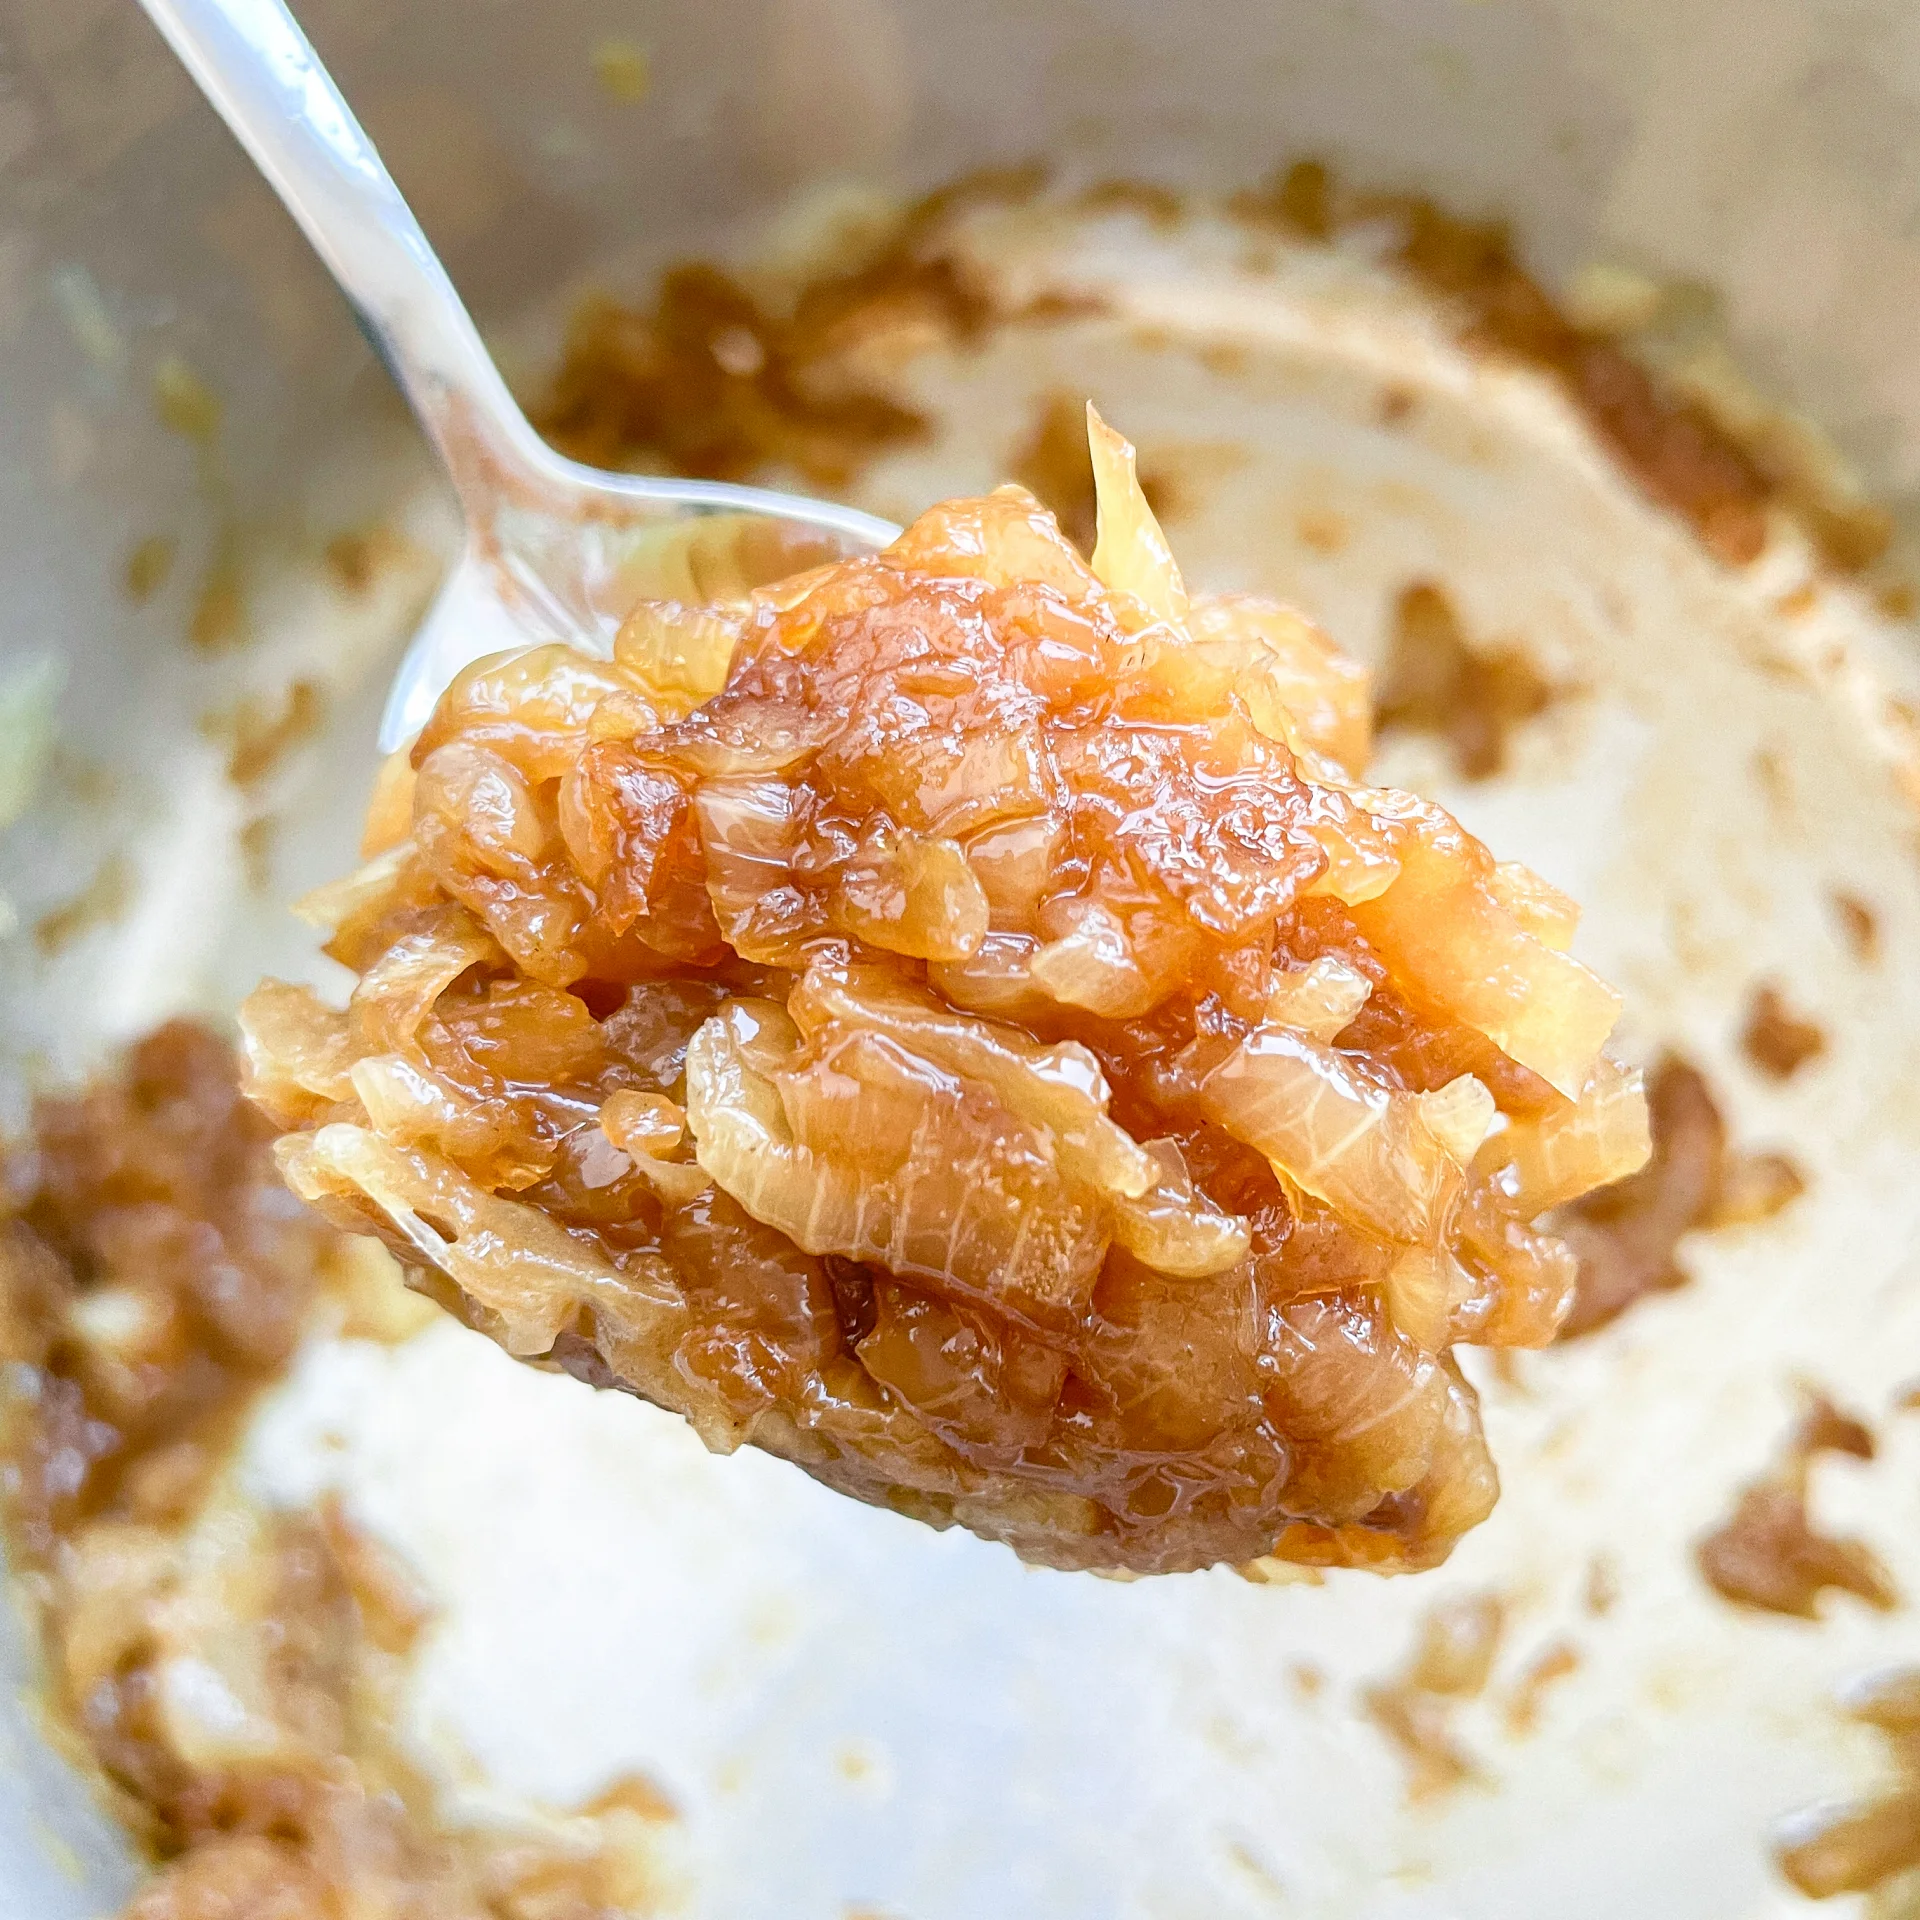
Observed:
{"x":1769,"y":1554}
{"x":957,"y":1020}
{"x":1859,"y":1846}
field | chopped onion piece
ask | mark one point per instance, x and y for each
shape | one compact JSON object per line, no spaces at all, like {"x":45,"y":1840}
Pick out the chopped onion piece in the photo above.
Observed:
{"x":938,"y":1194}
{"x":1320,"y":999}
{"x":509,"y":1257}
{"x":1298,"y":686}
{"x":997,"y":980}
{"x":538,"y":702}
{"x":390,"y":811}
{"x":1093,"y":966}
{"x":409,"y":1102}
{"x":1006,"y":537}
{"x":748,"y":834}
{"x":1441,"y":926}
{"x":1060,"y":1088}
{"x":1581,"y":1144}
{"x":296,"y":1050}
{"x":1551,"y":916}
{"x":1458,"y":1116}
{"x":1131,"y":556}
{"x":1174,"y":1229}
{"x":916,"y":897}
{"x":395,"y":995}
{"x":1423,"y":1285}
{"x":647,"y":1125}
{"x":1363,"y":1149}
{"x":1346,"y":1380}
{"x":646,"y":1128}
{"x":1360,"y":865}
{"x":680,"y":654}
{"x":678,"y":1183}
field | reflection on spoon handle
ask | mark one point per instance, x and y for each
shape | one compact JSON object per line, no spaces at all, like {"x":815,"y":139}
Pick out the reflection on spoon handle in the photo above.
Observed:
{"x":263,"y":77}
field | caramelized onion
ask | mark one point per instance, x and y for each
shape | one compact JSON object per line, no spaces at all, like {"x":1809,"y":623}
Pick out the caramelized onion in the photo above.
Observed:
{"x":1131,"y":557}
{"x":1592,"y":1141}
{"x":871,"y":1153}
{"x":955,"y":1020}
{"x":1298,"y":687}
{"x":1442,"y":925}
{"x":1380,"y":1158}
{"x":679,"y":655}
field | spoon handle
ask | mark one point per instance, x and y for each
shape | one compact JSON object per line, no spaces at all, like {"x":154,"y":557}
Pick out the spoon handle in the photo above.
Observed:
{"x":266,"y":82}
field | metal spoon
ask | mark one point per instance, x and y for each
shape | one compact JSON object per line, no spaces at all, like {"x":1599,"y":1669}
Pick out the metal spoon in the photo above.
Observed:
{"x":554,"y":549}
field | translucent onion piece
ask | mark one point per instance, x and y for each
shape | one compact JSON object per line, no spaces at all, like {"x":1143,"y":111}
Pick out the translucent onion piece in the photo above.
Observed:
{"x":985,"y":1394}
{"x":1298,"y":686}
{"x":749,"y":837}
{"x":964,"y":1204}
{"x":679,"y":654}
{"x":1093,"y":966}
{"x":1461,"y":1484}
{"x":538,"y":702}
{"x":1569,"y":1150}
{"x":646,"y":1128}
{"x":1181,"y":1364}
{"x":1551,"y":916}
{"x":1423,"y":1286}
{"x":1458,"y":1116}
{"x":742,"y":1139}
{"x":411,"y":1104}
{"x":616,"y":811}
{"x":997,"y":980}
{"x":1457,"y":1492}
{"x":1319,"y":1000}
{"x":1060,"y":1088}
{"x":1440,"y":927}
{"x":782,"y":596}
{"x":390,"y":811}
{"x":480,"y":803}
{"x":714,"y":557}
{"x":1015,"y":862}
{"x":1131,"y":556}
{"x":1345,"y":1379}
{"x":646,"y":1125}
{"x":557,"y":1045}
{"x":331,"y":906}
{"x":972,"y":1197}
{"x":296,"y":1052}
{"x":1366,"y":1151}
{"x":509,"y":1257}
{"x":1174,"y":1229}
{"x":1361,"y":864}
{"x":916,"y":897}
{"x":1007,"y":537}
{"x":491,"y":842}
{"x":395,"y":995}
{"x":677,"y":1183}
{"x":766,"y":1033}
{"x":1524,"y":1278}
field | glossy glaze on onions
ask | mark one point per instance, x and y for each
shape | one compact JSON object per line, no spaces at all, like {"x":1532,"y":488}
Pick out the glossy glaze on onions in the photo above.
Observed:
{"x":957,"y":1020}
